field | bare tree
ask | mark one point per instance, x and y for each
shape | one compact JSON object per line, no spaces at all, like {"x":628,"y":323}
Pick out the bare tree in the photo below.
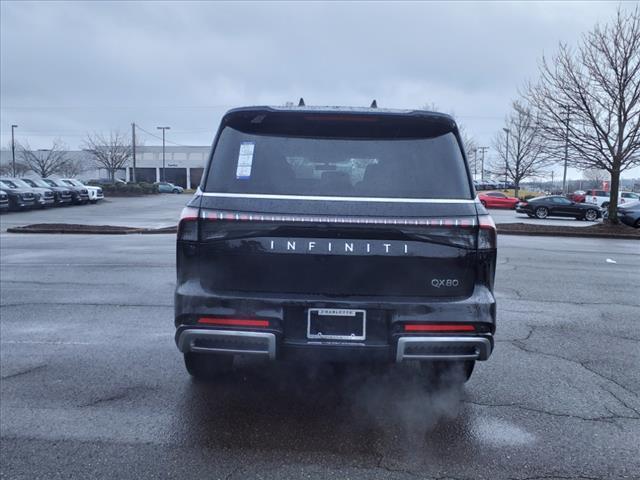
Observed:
{"x":44,"y":162}
{"x":595,"y":177}
{"x":111,"y":153}
{"x":589,"y":97}
{"x":6,"y":169}
{"x":470,"y":147}
{"x":73,"y":168}
{"x":526,"y":156}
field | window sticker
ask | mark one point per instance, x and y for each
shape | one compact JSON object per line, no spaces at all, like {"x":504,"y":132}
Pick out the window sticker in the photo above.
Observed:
{"x":245,"y":160}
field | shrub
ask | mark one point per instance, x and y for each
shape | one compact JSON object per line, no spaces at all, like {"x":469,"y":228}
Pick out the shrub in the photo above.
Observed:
{"x":148,"y":188}
{"x":133,"y":189}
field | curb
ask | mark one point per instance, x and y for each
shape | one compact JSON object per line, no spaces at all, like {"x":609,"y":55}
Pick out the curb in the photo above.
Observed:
{"x":72,"y":229}
{"x":91,"y":230}
{"x":619,"y":236}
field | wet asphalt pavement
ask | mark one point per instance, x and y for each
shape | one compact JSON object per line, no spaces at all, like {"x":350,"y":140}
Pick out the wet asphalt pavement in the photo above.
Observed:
{"x":93,"y":386}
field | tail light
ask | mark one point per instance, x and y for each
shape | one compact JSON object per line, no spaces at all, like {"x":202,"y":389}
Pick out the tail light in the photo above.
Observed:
{"x":188,"y":225}
{"x":233,"y":322}
{"x":487,"y":234}
{"x":438,"y":328}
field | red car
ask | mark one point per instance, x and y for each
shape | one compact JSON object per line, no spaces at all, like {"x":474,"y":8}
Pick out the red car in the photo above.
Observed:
{"x":497,"y":200}
{"x":578,"y":196}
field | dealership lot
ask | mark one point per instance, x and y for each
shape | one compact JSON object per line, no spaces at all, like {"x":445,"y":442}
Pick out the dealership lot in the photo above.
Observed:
{"x":93,"y":386}
{"x":510,"y":216}
{"x":157,"y":211}
{"x":152,"y":211}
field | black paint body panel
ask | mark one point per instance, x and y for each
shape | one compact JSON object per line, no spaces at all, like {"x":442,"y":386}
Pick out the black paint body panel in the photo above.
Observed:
{"x":234,"y":265}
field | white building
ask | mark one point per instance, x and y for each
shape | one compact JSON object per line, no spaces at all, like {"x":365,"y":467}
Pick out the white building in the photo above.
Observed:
{"x":182,"y":165}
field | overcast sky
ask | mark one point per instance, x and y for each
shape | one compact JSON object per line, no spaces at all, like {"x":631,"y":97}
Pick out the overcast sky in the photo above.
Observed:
{"x":69,"y":68}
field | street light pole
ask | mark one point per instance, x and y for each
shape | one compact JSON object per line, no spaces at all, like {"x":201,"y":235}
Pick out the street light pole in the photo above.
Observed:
{"x":475,"y":164}
{"x":163,"y":163}
{"x":133,"y":151}
{"x":566,"y":151}
{"x":482,"y":149}
{"x":13,"y":150}
{"x":506,"y":158}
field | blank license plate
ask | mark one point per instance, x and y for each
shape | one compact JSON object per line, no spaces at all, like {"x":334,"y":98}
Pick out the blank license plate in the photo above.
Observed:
{"x":336,"y":324}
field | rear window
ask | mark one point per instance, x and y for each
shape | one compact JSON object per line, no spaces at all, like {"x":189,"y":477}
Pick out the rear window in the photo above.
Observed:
{"x":255,"y":163}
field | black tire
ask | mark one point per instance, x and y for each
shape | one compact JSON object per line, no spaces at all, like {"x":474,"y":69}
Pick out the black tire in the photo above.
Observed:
{"x":591,"y":215}
{"x":93,"y":202}
{"x":542,"y":212}
{"x":442,"y":372}
{"x":207,"y":366}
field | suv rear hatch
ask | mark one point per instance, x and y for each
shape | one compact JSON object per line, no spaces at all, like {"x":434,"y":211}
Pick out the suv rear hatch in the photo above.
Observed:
{"x":335,"y":204}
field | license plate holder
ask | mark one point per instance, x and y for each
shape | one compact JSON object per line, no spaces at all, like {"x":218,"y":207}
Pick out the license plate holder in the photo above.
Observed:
{"x":336,"y":324}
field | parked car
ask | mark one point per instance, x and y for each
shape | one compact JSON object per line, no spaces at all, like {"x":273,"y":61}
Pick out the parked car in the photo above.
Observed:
{"x":80,"y":195}
{"x":95,"y":193}
{"x":602,"y":197}
{"x":558,"y":206}
{"x":486,"y":185}
{"x":105,"y":181}
{"x":44,"y":196}
{"x":629,"y":214}
{"x":578,"y":196}
{"x":61,"y":195}
{"x":388,"y":260}
{"x":166,"y":187}
{"x":497,"y":200}
{"x":628,"y":197}
{"x":19,"y":198}
{"x":4,"y":201}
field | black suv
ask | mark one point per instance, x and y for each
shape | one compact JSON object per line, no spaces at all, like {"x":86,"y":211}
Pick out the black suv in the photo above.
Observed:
{"x":336,"y":234}
{"x":79,"y":195}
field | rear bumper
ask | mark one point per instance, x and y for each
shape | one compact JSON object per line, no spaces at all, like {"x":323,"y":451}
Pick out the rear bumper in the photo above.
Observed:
{"x":226,"y":341}
{"x":443,"y":348}
{"x":286,"y":336}
{"x":266,"y":345}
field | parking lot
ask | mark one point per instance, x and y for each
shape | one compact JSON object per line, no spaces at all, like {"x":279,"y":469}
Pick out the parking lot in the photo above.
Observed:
{"x":93,"y":386}
{"x":157,"y":211}
{"x":152,"y":211}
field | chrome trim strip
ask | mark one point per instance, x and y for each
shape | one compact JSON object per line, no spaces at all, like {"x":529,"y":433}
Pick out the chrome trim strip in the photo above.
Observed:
{"x":266,"y":196}
{"x":187,"y":338}
{"x":481,"y":344}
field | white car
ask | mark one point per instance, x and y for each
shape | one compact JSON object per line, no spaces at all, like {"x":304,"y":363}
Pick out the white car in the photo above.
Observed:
{"x":601,"y":197}
{"x":95,"y":193}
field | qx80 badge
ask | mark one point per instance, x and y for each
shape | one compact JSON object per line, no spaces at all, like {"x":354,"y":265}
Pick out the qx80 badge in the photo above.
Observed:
{"x":336,"y":247}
